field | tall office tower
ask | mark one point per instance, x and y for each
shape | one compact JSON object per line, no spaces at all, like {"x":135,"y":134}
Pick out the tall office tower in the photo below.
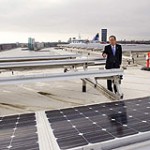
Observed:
{"x":31,"y":43}
{"x":104,"y":35}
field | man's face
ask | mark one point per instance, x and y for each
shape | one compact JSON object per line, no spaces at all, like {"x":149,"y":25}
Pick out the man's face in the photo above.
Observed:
{"x":112,"y":41}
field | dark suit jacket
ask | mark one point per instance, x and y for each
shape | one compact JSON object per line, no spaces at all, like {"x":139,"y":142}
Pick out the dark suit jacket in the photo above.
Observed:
{"x":113,"y":61}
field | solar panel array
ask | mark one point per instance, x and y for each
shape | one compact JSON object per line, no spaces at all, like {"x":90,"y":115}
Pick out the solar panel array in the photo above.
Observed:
{"x":80,"y":126}
{"x":18,"y":132}
{"x":77,"y":127}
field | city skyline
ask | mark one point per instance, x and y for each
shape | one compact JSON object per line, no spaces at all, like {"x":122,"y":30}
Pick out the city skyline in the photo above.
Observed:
{"x":53,"y":20}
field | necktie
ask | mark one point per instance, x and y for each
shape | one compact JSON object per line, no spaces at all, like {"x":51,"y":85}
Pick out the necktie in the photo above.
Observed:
{"x":114,"y":50}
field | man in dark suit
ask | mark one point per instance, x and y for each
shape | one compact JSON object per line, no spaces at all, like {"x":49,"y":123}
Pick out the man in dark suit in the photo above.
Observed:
{"x":113,"y":52}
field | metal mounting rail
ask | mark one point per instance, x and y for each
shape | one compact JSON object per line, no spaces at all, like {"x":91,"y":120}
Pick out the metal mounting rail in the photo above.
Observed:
{"x":102,"y":90}
{"x":105,"y":74}
{"x":50,"y":63}
{"x":35,"y":58}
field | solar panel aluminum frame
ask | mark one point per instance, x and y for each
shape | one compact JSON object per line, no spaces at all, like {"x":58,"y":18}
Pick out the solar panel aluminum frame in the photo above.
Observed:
{"x":116,"y":143}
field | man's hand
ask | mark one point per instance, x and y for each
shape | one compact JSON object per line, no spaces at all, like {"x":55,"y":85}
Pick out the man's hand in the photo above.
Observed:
{"x":104,"y":55}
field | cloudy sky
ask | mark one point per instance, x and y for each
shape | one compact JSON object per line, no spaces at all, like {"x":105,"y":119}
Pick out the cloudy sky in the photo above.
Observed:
{"x":51,"y":20}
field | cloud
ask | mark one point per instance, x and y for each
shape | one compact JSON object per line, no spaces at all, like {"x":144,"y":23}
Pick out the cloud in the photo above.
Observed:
{"x":63,"y":18}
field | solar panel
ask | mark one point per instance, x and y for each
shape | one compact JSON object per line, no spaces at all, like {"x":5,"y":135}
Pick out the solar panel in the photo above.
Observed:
{"x":18,"y":132}
{"x":81,"y":126}
{"x":106,"y":125}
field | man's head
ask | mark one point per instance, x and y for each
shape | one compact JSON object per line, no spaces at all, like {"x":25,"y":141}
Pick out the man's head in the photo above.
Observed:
{"x":112,"y":40}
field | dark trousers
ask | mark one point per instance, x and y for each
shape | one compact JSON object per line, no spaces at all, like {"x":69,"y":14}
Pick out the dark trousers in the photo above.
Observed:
{"x":110,"y":82}
{"x":109,"y":86}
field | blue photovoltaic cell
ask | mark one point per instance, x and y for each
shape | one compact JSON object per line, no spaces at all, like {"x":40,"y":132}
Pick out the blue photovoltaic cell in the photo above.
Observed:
{"x":80,"y":126}
{"x":18,"y":132}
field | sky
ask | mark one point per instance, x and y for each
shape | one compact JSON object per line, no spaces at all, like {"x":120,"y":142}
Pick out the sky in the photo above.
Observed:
{"x":53,"y":20}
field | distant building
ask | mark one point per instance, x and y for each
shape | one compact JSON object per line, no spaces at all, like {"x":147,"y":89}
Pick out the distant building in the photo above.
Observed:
{"x":78,"y":41}
{"x":8,"y":46}
{"x":104,"y":35}
{"x":39,"y":45}
{"x":69,"y":40}
{"x":31,"y":43}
